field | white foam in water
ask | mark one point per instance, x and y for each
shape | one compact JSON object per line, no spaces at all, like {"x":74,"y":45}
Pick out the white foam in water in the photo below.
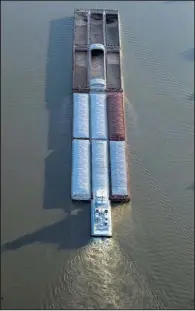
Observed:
{"x":105,"y":271}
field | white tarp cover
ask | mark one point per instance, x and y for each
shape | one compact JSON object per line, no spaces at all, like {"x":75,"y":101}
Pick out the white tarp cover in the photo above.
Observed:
{"x":119,"y":181}
{"x":81,"y":183}
{"x":98,"y":116}
{"x":100,"y":177}
{"x":80,"y":115}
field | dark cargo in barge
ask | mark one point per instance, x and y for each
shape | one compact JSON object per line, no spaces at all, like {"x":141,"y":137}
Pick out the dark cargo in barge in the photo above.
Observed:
{"x":116,"y":118}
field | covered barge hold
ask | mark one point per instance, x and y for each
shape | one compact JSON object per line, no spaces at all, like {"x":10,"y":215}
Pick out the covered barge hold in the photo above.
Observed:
{"x":113,"y":67}
{"x":120,"y":190}
{"x":98,"y":116}
{"x":81,"y":115}
{"x":116,"y":118}
{"x":100,"y":173}
{"x":81,"y":181}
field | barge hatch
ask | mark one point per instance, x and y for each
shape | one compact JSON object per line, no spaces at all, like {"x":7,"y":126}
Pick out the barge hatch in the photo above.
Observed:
{"x":99,"y":159}
{"x":98,"y":107}
{"x":80,"y":116}
{"x":81,"y":185}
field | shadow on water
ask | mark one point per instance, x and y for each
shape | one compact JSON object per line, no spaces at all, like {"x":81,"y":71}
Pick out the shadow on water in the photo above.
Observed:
{"x":190,"y":187}
{"x":73,"y":230}
{"x":67,"y":234}
{"x":188,"y":55}
{"x":58,"y":97}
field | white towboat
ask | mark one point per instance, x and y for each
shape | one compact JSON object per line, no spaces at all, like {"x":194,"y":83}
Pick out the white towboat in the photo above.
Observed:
{"x":101,"y":222}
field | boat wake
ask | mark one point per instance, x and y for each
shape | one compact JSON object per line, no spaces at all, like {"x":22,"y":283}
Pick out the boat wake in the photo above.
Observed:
{"x":101,"y":276}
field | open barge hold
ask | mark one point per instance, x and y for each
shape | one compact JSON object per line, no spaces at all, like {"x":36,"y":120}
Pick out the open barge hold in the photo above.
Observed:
{"x":99,"y":157}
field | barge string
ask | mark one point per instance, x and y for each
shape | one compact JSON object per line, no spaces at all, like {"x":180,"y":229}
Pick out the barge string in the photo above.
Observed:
{"x":99,"y":159}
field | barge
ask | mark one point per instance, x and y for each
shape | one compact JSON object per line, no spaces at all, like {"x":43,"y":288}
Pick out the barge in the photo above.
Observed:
{"x":99,"y":158}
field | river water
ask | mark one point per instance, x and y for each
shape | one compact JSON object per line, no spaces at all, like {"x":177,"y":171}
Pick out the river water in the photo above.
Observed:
{"x":48,"y":257}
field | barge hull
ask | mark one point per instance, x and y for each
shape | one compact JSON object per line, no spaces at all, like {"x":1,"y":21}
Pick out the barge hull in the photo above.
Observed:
{"x":80,"y":115}
{"x":120,"y":189}
{"x":98,"y":116}
{"x":99,"y":164}
{"x":96,"y":27}
{"x":100,"y":171}
{"x":116,"y":117}
{"x":80,"y":27}
{"x":81,"y":186}
{"x":80,"y":70}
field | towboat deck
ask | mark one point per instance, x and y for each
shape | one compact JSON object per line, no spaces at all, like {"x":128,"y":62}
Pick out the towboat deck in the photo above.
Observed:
{"x":101,"y":217}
